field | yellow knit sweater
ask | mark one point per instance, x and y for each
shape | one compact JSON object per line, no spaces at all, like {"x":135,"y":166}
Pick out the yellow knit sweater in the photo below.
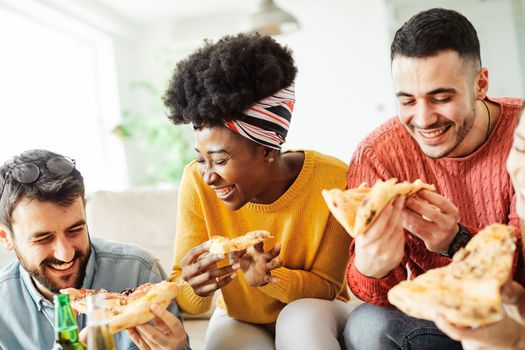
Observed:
{"x":314,"y":246}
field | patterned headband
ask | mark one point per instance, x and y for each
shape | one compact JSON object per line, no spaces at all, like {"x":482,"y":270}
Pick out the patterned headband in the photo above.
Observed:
{"x":267,"y":121}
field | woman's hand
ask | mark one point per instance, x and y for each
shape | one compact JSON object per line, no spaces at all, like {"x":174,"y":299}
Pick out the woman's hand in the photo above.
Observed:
{"x":165,"y":332}
{"x":504,"y":334}
{"x":200,"y":271}
{"x":257,"y":265}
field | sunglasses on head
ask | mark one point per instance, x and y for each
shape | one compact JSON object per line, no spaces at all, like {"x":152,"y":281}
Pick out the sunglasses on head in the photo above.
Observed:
{"x":28,"y":173}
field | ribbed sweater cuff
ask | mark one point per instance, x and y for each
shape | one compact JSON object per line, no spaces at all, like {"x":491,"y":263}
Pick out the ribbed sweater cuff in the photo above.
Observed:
{"x":280,"y":290}
{"x":473,"y":230}
{"x":191,"y":303}
{"x":373,"y":290}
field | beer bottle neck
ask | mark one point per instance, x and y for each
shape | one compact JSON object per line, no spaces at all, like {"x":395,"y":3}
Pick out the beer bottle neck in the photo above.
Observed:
{"x":66,"y":329}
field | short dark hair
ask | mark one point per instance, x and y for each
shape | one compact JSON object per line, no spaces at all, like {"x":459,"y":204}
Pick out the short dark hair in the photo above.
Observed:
{"x":49,"y":187}
{"x":219,"y":81}
{"x":432,"y":31}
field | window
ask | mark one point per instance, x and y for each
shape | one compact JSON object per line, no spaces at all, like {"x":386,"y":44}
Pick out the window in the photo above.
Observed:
{"x":58,"y":91}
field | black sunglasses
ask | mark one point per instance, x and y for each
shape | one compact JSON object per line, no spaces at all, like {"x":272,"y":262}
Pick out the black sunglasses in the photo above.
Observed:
{"x":28,"y":173}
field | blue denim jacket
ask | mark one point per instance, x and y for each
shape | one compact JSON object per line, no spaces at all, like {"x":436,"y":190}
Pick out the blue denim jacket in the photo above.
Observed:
{"x":27,"y":318}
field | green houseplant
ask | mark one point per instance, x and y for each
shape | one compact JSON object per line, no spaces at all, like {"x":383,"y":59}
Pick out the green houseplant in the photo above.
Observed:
{"x":159,"y":148}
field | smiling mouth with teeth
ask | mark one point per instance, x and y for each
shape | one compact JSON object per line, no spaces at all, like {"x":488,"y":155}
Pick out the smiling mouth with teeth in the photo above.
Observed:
{"x":433,"y":134}
{"x":223,"y":191}
{"x":62,"y":267}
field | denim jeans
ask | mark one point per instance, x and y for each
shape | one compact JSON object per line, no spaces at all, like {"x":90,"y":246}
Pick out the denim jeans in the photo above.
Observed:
{"x":371,"y":327}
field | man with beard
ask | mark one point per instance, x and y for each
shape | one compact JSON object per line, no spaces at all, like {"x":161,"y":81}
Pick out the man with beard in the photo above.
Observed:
{"x":450,"y":134}
{"x":42,"y":218}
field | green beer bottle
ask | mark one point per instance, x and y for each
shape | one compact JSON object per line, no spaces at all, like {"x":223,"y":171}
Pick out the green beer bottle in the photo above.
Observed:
{"x":66,"y":329}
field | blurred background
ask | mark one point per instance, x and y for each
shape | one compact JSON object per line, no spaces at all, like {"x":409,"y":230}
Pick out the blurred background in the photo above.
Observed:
{"x":85,"y":78}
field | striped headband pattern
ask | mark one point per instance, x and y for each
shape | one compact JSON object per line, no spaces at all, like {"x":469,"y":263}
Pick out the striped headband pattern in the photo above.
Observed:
{"x":267,"y":121}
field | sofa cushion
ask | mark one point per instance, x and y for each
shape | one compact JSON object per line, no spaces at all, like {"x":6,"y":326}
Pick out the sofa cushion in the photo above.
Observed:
{"x":144,"y":217}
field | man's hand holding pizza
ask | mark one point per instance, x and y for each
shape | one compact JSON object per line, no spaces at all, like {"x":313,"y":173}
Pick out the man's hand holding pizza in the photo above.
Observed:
{"x":141,"y":310}
{"x":381,"y":248}
{"x":165,"y":332}
{"x":200,"y":271}
{"x":432,"y":218}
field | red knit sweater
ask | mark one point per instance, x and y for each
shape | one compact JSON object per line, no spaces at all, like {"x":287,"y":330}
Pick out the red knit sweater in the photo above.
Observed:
{"x":477,"y":184}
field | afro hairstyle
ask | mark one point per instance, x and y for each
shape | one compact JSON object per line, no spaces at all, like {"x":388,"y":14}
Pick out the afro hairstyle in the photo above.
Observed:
{"x":220,"y":80}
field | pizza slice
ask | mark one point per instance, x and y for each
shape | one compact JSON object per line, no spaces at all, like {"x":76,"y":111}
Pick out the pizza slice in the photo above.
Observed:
{"x":78,"y":298}
{"x":467,"y":303}
{"x":467,"y":291}
{"x":129,"y":308}
{"x":357,"y":208}
{"x":343,"y":204}
{"x":224,"y":245}
{"x":489,"y":254}
{"x":382,"y":193}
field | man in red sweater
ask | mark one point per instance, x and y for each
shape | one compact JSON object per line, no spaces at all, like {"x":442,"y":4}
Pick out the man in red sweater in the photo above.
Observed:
{"x":450,"y":134}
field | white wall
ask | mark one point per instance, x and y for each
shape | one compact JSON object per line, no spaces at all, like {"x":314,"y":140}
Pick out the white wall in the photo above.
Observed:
{"x":518,"y":8}
{"x":342,"y":51}
{"x":343,"y":87}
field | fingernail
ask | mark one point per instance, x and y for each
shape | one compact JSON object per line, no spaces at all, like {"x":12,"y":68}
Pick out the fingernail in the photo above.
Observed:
{"x":220,"y":256}
{"x":233,"y":275}
{"x":155,"y":307}
{"x":274,"y":280}
{"x":236,"y":266}
{"x":232,"y":261}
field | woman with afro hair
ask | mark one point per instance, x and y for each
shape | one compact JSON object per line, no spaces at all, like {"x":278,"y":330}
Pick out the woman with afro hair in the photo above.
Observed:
{"x":238,"y":94}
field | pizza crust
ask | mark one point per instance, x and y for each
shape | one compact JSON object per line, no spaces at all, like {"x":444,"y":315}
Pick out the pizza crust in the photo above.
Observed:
{"x":467,"y":291}
{"x":127,"y":310}
{"x":224,"y":245}
{"x":356,"y":209}
{"x":139,"y":311}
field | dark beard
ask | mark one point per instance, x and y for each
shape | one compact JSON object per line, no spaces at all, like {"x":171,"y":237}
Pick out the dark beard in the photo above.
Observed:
{"x":38,"y":273}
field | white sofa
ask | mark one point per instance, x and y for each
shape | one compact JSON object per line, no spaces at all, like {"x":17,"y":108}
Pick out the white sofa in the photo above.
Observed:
{"x":142,"y":217}
{"x":147,"y":218}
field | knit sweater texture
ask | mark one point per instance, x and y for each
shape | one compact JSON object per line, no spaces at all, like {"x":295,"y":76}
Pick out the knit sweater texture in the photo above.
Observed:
{"x":478,"y":184}
{"x":314,"y":245}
